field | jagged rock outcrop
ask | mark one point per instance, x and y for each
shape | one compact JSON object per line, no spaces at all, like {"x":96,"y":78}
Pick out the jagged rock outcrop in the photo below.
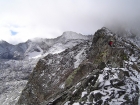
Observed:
{"x":87,"y":74}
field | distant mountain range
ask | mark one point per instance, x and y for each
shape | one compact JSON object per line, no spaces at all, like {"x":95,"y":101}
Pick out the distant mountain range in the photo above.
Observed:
{"x":39,"y":46}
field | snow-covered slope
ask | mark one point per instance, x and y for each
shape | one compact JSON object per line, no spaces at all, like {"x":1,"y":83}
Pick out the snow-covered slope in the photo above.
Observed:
{"x":53,"y":46}
{"x":13,"y":78}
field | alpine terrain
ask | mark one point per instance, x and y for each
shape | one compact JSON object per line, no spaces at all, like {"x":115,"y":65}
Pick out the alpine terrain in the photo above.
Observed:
{"x":101,"y":71}
{"x":18,"y":61}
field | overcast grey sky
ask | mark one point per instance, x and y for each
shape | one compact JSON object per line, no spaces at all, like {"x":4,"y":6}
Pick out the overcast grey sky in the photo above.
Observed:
{"x":25,"y":19}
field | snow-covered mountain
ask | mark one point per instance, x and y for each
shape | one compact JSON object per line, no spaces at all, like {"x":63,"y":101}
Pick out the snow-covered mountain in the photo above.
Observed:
{"x":18,"y":61}
{"x":39,"y":46}
{"x":90,"y":73}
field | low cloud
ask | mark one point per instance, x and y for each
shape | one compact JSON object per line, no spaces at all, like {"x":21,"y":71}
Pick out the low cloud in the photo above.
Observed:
{"x":50,"y":18}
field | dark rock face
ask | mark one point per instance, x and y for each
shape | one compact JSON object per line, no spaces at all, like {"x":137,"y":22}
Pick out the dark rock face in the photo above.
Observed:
{"x":87,"y":74}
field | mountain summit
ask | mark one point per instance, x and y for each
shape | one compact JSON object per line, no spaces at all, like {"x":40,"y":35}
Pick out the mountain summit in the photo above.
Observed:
{"x":89,"y":73}
{"x":73,"y":35}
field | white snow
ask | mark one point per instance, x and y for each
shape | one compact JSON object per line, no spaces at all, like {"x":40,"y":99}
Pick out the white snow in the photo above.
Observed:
{"x":74,"y":91}
{"x":132,"y":58}
{"x":12,"y":72}
{"x":73,"y":35}
{"x":62,"y":86}
{"x":67,"y":103}
{"x":12,"y":96}
{"x":56,"y":48}
{"x":76,"y":103}
{"x":60,"y":47}
{"x":106,"y":68}
{"x":107,"y":83}
{"x":84,"y":93}
{"x":42,"y":73}
{"x":35,"y":54}
{"x":100,"y":79}
{"x":79,"y":58}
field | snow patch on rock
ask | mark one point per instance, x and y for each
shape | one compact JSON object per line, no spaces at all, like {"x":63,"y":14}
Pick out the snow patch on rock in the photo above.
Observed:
{"x":79,"y":58}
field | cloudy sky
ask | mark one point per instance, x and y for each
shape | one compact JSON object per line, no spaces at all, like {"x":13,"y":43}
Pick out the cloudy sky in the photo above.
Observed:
{"x":26,"y":19}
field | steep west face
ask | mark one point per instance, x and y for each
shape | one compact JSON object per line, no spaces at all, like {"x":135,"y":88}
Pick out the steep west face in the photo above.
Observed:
{"x":87,"y":74}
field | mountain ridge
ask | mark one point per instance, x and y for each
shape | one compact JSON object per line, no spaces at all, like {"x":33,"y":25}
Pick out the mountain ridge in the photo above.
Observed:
{"x":105,"y":75}
{"x":22,"y":50}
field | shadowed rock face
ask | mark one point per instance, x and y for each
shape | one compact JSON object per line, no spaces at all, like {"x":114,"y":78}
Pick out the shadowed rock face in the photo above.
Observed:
{"x":105,"y":75}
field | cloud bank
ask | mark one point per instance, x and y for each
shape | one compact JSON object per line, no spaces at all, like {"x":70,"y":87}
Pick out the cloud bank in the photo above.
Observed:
{"x":27,"y":19}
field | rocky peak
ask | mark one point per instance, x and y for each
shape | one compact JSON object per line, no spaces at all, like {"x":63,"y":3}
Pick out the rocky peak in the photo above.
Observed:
{"x":69,"y":35}
{"x":104,"y":74}
{"x":2,"y":41}
{"x":100,"y":50}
